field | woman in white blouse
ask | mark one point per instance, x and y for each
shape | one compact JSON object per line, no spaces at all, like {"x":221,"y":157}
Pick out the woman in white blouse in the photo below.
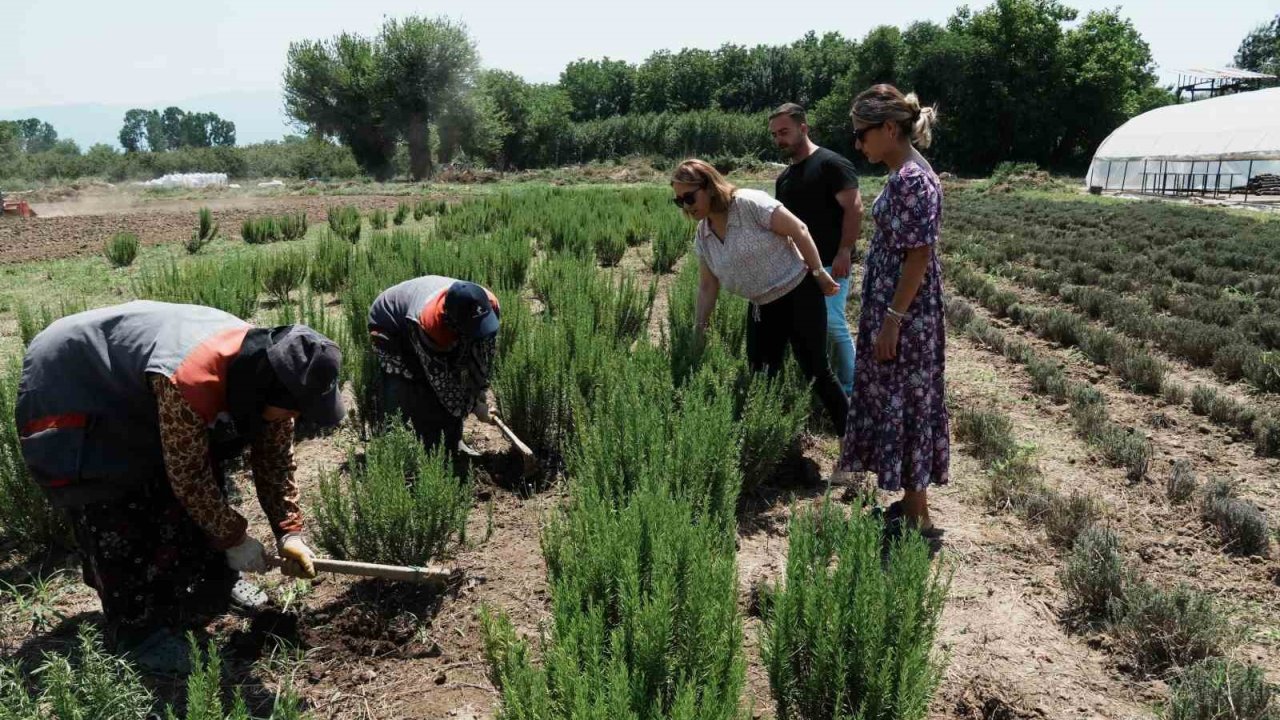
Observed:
{"x":750,"y":245}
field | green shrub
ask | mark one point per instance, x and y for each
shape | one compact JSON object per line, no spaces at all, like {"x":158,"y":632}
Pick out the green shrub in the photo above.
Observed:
{"x":1263,"y":371}
{"x":121,"y":249}
{"x":534,"y":386}
{"x":206,"y":228}
{"x":428,"y":208}
{"x":1015,"y":485}
{"x":612,"y":305}
{"x":1048,"y":378}
{"x":378,"y":218}
{"x":90,"y":682}
{"x":1126,"y":449}
{"x":231,"y":285}
{"x":989,"y":432}
{"x":850,"y":633}
{"x":1063,"y":327}
{"x":1229,"y":362}
{"x":1225,"y":411}
{"x":344,"y":222}
{"x":269,"y":229}
{"x":673,"y":236}
{"x":32,"y":322}
{"x":1140,"y":370}
{"x":609,"y":248}
{"x":400,"y":504}
{"x":259,"y":231}
{"x":638,"y":231}
{"x":206,"y":232}
{"x":195,"y":243}
{"x":1203,"y":398}
{"x":1094,"y":576}
{"x":1241,"y":526}
{"x":330,"y":264}
{"x":645,"y":620}
{"x":772,"y":418}
{"x":292,"y":227}
{"x":402,"y":213}
{"x":1266,"y":436}
{"x":1181,"y":485}
{"x":959,"y":313}
{"x":1069,"y":516}
{"x":1000,"y":302}
{"x":283,"y":272}
{"x":1221,"y":689}
{"x":1174,"y":393}
{"x":1160,"y":629}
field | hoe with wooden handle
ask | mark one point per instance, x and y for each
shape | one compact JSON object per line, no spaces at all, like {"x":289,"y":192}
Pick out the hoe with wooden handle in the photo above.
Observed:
{"x":526,"y":454}
{"x":429,"y":575}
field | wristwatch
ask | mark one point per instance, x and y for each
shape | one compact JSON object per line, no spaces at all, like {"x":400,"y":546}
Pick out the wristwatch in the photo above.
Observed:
{"x":818,"y":271}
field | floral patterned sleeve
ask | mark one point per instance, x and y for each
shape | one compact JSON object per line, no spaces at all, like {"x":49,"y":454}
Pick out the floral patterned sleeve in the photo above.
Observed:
{"x":914,"y":204}
{"x":185,"y":440}
{"x":271,"y":457}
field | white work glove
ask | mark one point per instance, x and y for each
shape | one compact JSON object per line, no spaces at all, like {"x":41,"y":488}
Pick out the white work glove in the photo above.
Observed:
{"x":299,"y":559}
{"x":247,"y":556}
{"x":483,"y":412}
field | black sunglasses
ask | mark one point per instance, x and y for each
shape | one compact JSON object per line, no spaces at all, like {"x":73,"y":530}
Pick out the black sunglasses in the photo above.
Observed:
{"x":858,"y":135}
{"x":685,"y":199}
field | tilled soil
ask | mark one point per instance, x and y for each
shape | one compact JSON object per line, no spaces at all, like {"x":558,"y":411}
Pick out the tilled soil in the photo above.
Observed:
{"x":81,"y":227}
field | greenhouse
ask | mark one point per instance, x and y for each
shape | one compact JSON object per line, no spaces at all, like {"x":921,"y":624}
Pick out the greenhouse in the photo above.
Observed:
{"x":1227,"y":146}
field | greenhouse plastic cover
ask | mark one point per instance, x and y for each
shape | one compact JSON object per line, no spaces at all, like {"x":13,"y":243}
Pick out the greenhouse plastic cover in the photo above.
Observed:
{"x":188,"y":180}
{"x":1229,"y":130}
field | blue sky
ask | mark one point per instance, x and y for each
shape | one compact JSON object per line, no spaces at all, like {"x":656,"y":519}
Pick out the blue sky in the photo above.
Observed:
{"x":152,"y":53}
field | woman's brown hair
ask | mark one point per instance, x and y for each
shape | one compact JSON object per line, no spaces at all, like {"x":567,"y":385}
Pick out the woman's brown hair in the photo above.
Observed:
{"x":698,"y":172}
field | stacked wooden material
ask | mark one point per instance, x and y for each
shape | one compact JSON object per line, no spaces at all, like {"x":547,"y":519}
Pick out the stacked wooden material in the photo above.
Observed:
{"x":1264,"y":184}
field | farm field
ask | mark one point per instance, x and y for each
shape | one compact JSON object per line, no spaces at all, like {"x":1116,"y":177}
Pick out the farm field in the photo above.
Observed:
{"x":1114,"y":372}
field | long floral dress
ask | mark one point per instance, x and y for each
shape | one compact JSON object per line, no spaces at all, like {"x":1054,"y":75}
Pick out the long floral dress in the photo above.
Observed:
{"x":898,"y":423}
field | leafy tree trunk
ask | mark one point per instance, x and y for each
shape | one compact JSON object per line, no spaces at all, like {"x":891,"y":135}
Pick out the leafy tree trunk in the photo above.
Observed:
{"x":419,"y":147}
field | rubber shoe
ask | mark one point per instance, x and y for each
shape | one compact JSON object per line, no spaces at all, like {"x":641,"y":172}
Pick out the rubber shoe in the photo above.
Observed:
{"x":247,"y":597}
{"x":161,"y":653}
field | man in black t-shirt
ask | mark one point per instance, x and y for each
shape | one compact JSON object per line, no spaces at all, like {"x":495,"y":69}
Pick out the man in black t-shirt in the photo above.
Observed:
{"x":821,"y":188}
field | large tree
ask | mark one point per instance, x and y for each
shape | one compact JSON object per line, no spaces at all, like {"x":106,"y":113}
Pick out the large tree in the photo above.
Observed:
{"x":134,"y":131}
{"x":370,"y":92}
{"x":429,"y":65}
{"x":511,"y":99}
{"x":32,"y":135}
{"x":336,"y":88}
{"x":174,"y":129}
{"x":599,"y":88}
{"x":1108,"y":71}
{"x":1260,"y":49}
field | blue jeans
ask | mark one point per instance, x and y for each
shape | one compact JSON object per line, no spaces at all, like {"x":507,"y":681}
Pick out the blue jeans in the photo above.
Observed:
{"x":839,"y":340}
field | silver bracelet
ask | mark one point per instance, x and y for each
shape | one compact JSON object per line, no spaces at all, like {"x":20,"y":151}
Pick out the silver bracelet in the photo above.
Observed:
{"x":895,"y":314}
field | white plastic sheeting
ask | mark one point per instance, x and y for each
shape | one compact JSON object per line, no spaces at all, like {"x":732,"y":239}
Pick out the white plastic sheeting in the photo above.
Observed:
{"x":1204,"y":143}
{"x":188,"y":180}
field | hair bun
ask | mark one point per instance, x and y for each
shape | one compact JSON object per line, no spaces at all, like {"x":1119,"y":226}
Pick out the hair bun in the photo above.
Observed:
{"x":913,"y":104}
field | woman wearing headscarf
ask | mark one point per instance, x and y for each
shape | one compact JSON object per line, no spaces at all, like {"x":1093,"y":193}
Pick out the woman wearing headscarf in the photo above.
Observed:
{"x":128,"y":415}
{"x":435,"y":338}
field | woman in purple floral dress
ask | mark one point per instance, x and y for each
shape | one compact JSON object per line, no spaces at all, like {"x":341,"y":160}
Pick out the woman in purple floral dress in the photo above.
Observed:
{"x":898,"y":423}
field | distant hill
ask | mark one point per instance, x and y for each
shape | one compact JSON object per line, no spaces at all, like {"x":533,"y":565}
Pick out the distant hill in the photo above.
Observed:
{"x":258,"y":115}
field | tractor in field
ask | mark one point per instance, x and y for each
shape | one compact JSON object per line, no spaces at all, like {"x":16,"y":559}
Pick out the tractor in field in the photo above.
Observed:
{"x":18,"y":207}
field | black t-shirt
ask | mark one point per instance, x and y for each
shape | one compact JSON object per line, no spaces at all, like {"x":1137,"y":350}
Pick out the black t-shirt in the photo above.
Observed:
{"x":808,"y":189}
